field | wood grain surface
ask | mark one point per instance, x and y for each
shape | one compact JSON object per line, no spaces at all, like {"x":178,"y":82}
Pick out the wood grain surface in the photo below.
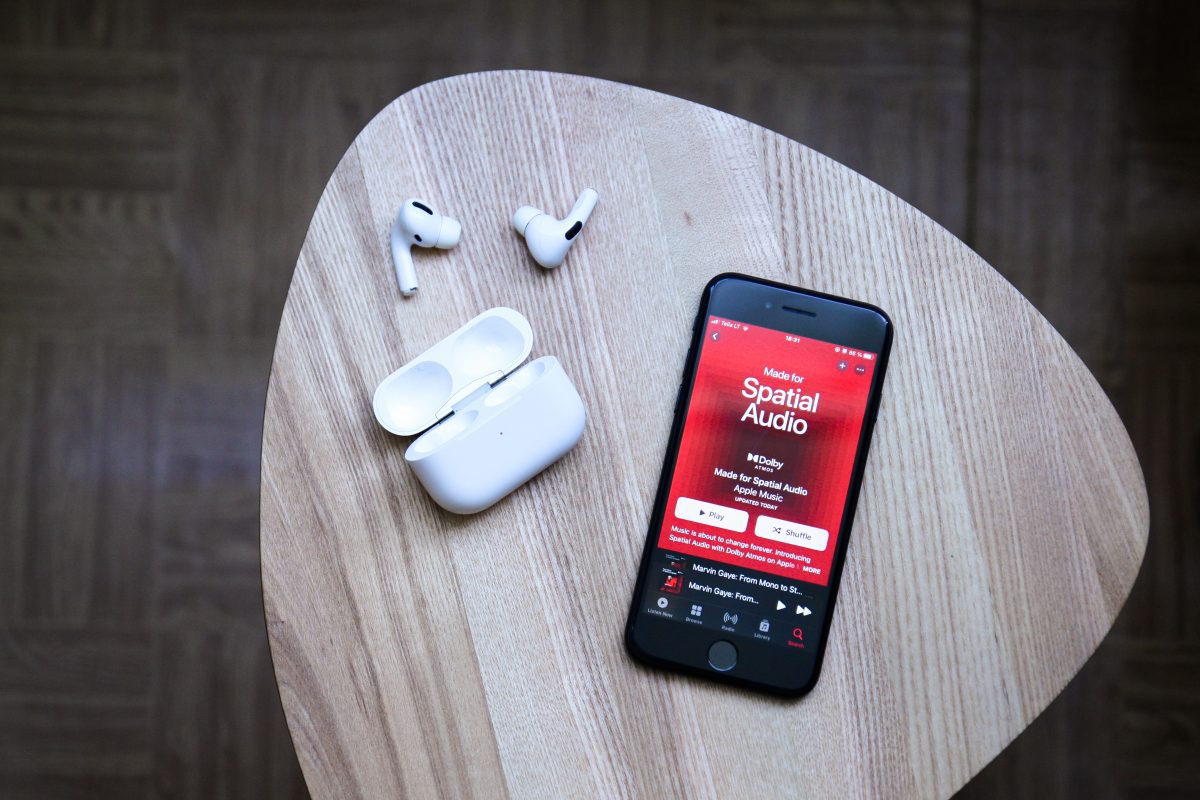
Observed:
{"x":1002,"y":521}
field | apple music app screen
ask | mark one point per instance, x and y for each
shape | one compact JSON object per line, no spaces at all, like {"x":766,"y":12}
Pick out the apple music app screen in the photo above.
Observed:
{"x":760,"y":483}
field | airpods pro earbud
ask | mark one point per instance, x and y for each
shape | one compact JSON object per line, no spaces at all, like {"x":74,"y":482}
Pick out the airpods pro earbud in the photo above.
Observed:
{"x":417,"y":223}
{"x":548,"y":238}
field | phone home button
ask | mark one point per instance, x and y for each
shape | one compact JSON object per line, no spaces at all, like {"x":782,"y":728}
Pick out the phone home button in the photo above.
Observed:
{"x":722,"y":656}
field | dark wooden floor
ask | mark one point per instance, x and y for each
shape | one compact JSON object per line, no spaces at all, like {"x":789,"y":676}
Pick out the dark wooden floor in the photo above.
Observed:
{"x":158,"y":167}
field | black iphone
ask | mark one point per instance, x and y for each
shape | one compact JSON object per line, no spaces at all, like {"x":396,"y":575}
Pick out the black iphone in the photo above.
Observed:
{"x":741,"y":566}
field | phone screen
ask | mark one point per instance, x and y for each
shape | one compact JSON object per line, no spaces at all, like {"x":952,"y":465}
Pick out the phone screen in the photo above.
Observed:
{"x":756,"y":500}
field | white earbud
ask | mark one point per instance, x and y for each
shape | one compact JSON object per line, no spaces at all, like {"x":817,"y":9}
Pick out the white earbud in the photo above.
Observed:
{"x":548,"y":238}
{"x":417,"y":223}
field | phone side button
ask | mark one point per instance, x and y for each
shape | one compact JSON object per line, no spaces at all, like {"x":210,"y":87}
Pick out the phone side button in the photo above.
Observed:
{"x":722,"y":656}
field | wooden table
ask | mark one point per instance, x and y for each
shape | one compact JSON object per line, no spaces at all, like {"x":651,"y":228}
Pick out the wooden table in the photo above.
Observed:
{"x":1002,"y":521}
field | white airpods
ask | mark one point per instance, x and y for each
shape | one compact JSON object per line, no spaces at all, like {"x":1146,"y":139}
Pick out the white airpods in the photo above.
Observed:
{"x":548,"y":238}
{"x":417,"y":223}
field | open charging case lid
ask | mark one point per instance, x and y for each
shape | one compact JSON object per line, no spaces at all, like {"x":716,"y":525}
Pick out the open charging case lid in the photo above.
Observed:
{"x":487,"y":423}
{"x":448,"y":375}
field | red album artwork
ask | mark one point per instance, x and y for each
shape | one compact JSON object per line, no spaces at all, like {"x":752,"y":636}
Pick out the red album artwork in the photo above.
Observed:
{"x":767,"y":450}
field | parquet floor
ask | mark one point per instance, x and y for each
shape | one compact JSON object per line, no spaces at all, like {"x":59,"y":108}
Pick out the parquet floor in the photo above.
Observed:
{"x":159,"y":163}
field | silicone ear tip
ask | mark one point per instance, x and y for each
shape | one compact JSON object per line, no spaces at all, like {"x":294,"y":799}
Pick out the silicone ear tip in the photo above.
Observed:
{"x":449,"y":233}
{"x":522,"y":217}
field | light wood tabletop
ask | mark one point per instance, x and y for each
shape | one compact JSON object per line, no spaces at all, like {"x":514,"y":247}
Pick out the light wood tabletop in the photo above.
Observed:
{"x":1002,"y":520}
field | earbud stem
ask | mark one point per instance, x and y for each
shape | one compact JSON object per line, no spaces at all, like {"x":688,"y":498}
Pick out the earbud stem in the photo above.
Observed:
{"x":406,"y":273}
{"x":584,"y":205}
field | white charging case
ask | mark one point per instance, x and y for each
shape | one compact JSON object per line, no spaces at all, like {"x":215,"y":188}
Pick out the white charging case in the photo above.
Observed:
{"x":485,"y":434}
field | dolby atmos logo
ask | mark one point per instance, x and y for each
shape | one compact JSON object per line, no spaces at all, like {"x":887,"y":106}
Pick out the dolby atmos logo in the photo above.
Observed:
{"x":764,"y":461}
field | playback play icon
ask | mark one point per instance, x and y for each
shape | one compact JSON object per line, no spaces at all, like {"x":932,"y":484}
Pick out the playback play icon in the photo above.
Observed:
{"x":780,"y":605}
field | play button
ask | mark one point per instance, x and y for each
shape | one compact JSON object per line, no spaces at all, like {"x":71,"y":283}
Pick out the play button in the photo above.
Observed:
{"x":780,"y":605}
{"x":731,"y":519}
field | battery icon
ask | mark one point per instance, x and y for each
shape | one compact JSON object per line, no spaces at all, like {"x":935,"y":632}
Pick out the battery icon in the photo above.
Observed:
{"x":868,"y":357}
